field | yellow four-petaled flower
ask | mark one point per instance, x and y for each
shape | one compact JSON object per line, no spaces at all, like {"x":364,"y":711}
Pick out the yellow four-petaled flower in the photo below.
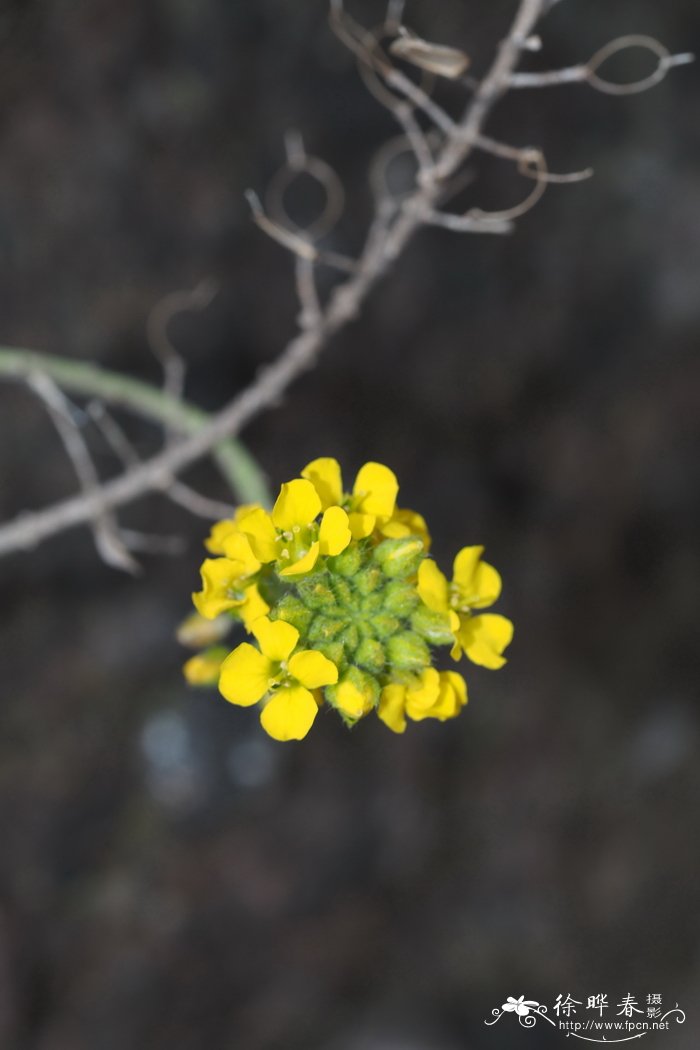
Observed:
{"x":374,"y":616}
{"x":275,"y":671}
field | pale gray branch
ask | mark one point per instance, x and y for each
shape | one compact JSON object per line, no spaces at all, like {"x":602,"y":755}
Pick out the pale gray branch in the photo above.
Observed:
{"x":108,"y":541}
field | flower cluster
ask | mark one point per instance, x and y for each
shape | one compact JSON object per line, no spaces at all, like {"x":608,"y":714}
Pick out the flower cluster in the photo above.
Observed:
{"x":343,"y":605}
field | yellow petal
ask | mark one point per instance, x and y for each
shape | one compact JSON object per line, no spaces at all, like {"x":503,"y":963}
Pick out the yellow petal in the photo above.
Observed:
{"x":375,"y":490}
{"x":405,"y":522}
{"x":423,"y":694}
{"x":289,"y":714}
{"x":312,"y":669}
{"x":219,"y":532}
{"x":478,"y":584}
{"x":452,"y":698}
{"x":261,"y":533}
{"x":275,"y":637}
{"x":196,"y":632}
{"x":334,"y":534}
{"x":361,"y":525}
{"x":392,"y":706}
{"x":353,"y":701}
{"x":252,"y":607}
{"x":221,"y":588}
{"x":304,"y":564}
{"x":297,"y":504}
{"x":484,"y":638}
{"x":243,"y":510}
{"x":433,"y":587}
{"x":245,"y":675}
{"x":204,"y":668}
{"x":324,"y":474}
{"x":237,"y":548}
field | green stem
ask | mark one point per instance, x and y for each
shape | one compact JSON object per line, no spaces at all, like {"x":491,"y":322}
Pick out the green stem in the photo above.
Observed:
{"x":81,"y":377}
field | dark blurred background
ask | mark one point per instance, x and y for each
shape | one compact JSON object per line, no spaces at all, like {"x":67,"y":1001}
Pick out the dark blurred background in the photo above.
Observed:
{"x":169,"y":877}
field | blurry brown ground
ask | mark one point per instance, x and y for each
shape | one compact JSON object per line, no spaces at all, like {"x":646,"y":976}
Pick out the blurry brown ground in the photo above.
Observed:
{"x":168,"y":877}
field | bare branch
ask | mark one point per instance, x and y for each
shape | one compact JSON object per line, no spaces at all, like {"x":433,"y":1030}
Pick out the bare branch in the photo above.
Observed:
{"x":170,"y":546}
{"x":82,"y":377}
{"x":588,"y":72}
{"x":178,"y":492}
{"x":161,"y":315}
{"x":109,"y":543}
{"x":310,"y":313}
{"x":394,"y":225}
{"x":295,"y":242}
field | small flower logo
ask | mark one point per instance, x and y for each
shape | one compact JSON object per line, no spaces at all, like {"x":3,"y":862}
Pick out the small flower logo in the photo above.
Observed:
{"x":521,"y":1006}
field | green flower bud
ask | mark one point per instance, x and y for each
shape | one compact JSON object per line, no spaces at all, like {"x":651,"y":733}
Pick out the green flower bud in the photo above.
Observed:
{"x":400,"y":599}
{"x":334,"y":651}
{"x":368,"y":580}
{"x":370,"y":655}
{"x":315,"y":593}
{"x":408,"y":652}
{"x":350,"y":638}
{"x":292,"y":610}
{"x":324,"y":628}
{"x":372,"y":603}
{"x":385,"y":625}
{"x":399,"y":558}
{"x":342,"y":591}
{"x":431,"y":625}
{"x":354,"y":695}
{"x":348,"y":563}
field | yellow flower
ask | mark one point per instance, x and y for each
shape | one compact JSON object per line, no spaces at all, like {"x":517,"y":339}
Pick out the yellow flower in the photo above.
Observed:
{"x":252,"y":607}
{"x":343,"y":604}
{"x":375,"y":490}
{"x":261,"y":533}
{"x":475,"y":585}
{"x":204,"y":668}
{"x":195,"y":631}
{"x":434,"y":694}
{"x":223,"y":529}
{"x":223,"y":587}
{"x":248,"y":675}
{"x":325,"y":476}
{"x":434,"y":590}
{"x":483,"y":638}
{"x":404,"y":522}
{"x":290,"y":535}
{"x":373,"y":496}
{"x":353,"y":701}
